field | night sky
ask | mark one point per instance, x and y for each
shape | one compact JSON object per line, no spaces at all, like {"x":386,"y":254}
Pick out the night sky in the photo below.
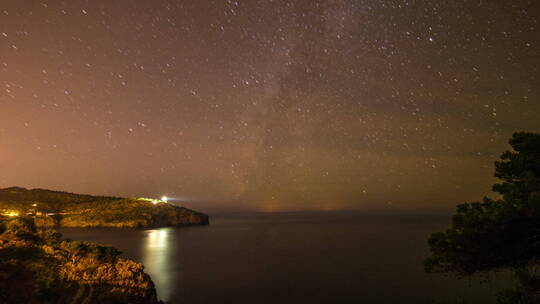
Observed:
{"x":266,"y":105}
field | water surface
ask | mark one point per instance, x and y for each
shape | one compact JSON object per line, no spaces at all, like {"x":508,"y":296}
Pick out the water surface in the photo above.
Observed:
{"x":294,"y":258}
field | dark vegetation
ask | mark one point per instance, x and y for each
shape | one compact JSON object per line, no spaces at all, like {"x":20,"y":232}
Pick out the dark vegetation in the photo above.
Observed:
{"x":499,"y":234}
{"x":76,"y":210}
{"x":51,"y":201}
{"x":37,"y":266}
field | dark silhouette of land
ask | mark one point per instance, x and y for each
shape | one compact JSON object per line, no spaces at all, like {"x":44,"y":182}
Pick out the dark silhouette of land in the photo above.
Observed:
{"x":503,"y":233}
{"x":52,"y":208}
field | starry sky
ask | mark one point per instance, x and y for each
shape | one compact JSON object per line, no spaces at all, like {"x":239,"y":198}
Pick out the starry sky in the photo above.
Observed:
{"x":267,"y":105}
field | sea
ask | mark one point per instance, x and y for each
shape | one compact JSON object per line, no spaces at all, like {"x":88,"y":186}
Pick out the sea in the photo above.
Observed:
{"x":353,"y":257}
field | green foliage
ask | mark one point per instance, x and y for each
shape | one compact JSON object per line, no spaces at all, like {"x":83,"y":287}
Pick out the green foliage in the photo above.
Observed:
{"x":104,"y":254}
{"x":50,"y":201}
{"x":519,"y":170}
{"x":37,"y":270}
{"x":21,"y":228}
{"x":49,"y":236}
{"x":498,"y":234}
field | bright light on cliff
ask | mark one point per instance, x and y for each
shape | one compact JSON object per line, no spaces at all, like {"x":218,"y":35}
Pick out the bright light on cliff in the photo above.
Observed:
{"x":155,"y":202}
{"x":12,"y":213}
{"x":164,"y":198}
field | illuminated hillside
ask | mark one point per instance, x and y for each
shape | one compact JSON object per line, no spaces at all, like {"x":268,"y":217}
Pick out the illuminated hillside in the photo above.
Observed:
{"x":76,"y":210}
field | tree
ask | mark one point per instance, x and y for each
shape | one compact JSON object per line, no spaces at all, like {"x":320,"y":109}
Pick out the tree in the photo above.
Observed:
{"x":502,"y":233}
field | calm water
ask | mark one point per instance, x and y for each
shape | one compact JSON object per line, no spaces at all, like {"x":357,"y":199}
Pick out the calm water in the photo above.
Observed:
{"x":293,"y":258}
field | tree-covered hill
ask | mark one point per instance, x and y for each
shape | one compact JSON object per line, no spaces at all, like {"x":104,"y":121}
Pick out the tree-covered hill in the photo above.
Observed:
{"x":50,"y":201}
{"x":77,"y":210}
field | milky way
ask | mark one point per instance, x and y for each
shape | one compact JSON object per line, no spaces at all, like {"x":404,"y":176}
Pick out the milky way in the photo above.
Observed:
{"x":266,"y":105}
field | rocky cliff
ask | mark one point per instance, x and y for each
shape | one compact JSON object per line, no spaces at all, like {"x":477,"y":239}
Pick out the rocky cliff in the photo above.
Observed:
{"x":131,"y":213}
{"x":37,"y":266}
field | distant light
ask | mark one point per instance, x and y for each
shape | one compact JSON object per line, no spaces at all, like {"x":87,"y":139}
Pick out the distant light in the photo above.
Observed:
{"x":155,"y":202}
{"x":34,"y":205}
{"x":12,"y":213}
{"x":164,"y":198}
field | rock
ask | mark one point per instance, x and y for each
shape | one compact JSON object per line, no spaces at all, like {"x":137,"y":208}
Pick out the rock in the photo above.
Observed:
{"x":37,"y":267}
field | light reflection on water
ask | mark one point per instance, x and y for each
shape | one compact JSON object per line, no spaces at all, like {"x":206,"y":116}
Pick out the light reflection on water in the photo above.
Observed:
{"x":294,"y":259}
{"x":157,"y":256}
